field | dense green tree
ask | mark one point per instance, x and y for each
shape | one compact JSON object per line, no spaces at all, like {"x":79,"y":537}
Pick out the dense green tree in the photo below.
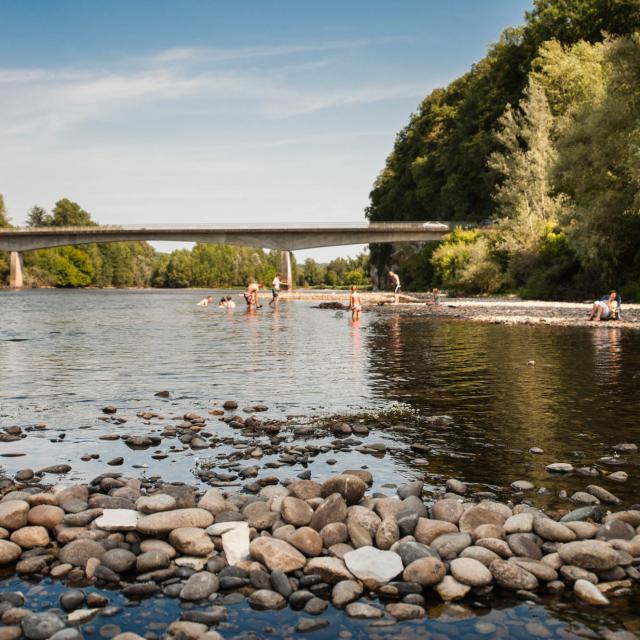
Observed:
{"x":598,"y":169}
{"x":38,"y":217}
{"x":4,"y":216}
{"x":70,"y":214}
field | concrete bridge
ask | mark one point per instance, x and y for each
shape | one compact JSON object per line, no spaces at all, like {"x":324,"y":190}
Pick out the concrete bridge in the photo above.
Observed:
{"x":285,"y":237}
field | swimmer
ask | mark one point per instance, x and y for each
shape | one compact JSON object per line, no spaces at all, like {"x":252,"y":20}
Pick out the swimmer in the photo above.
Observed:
{"x":205,"y":302}
{"x":355,"y":303}
{"x":227,"y":303}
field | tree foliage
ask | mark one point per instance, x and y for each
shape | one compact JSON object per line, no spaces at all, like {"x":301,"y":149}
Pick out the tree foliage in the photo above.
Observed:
{"x":540,"y":136}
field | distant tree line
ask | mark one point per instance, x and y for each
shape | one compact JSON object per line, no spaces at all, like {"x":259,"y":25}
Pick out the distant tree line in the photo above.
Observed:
{"x":540,"y":142}
{"x":138,"y":264}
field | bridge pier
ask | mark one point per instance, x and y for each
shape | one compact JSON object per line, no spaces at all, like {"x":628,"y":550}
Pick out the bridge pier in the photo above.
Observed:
{"x":285,"y":269}
{"x":15,"y":273}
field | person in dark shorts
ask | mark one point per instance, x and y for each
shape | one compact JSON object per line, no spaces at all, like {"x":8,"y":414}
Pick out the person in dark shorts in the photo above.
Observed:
{"x":275,"y":291}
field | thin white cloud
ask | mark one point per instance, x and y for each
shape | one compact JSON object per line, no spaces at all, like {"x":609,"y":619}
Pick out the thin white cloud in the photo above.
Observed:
{"x":210,"y":54}
{"x":51,"y":101}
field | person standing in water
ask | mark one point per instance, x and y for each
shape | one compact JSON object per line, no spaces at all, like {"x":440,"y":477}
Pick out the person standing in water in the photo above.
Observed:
{"x":251,"y":294}
{"x":275,"y":291}
{"x":205,"y":302}
{"x":355,"y":303}
{"x":395,"y":280}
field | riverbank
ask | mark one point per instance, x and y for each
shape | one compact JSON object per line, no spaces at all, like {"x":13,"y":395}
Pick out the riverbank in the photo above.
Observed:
{"x":332,"y":550}
{"x":486,"y":310}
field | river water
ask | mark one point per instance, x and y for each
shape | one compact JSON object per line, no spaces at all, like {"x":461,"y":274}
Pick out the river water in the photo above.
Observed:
{"x":573,"y":392}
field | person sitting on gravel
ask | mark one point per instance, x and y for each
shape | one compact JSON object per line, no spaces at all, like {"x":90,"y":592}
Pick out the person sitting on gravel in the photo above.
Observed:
{"x":607,"y":308}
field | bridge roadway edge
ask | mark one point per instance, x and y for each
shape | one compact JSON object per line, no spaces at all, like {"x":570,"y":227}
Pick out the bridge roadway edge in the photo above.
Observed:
{"x":284,"y":239}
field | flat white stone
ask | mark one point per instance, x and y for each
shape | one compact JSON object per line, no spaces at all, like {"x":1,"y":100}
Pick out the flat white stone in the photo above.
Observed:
{"x":222,"y":527}
{"x":118,"y":520}
{"x":198,"y":564}
{"x":560,"y":467}
{"x":80,"y":616}
{"x":236,"y":545}
{"x":373,"y":565}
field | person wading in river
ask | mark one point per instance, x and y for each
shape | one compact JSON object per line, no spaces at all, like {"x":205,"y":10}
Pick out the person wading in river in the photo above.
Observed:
{"x":395,"y":280}
{"x":205,"y":302}
{"x":275,"y":291}
{"x":251,"y":294}
{"x":355,"y":303}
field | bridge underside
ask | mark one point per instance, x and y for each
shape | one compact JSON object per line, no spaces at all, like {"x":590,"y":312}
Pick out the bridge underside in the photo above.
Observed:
{"x":288,"y":239}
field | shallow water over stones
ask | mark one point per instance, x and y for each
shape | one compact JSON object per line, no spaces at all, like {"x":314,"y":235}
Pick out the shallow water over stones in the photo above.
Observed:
{"x":89,"y":351}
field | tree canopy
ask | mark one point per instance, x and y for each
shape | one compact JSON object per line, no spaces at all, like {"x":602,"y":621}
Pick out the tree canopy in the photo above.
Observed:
{"x":540,"y":138}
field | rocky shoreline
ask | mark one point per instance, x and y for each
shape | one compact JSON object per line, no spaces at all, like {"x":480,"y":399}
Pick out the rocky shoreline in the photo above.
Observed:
{"x":300,"y":543}
{"x":509,"y":311}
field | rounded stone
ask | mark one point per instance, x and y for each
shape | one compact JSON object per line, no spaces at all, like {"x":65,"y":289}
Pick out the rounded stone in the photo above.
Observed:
{"x":344,"y":592}
{"x":425,"y":571}
{"x":373,"y":566}
{"x":470,"y":572}
{"x":332,"y":509}
{"x":448,"y":510}
{"x":484,"y":513}
{"x":307,"y":540}
{"x":79,"y":551}
{"x":450,"y":545}
{"x":510,"y":576}
{"x":589,"y":554}
{"x":152,"y":561}
{"x":167,"y":521}
{"x":45,"y":515}
{"x":552,"y":531}
{"x":427,"y":530}
{"x":9,"y":552}
{"x":199,"y":586}
{"x":296,"y":512}
{"x":351,"y":488}
{"x":118,"y":560}
{"x":39,"y":626}
{"x":191,"y":541}
{"x":334,"y":533}
{"x":13,"y":514}
{"x":267,"y":599}
{"x":31,"y":537}
{"x":277,"y":555}
{"x":156,"y":503}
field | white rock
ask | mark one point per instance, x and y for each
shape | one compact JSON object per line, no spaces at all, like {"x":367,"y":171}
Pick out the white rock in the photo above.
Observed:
{"x":373,"y":566}
{"x":198,"y":564}
{"x":588,"y":592}
{"x":222,"y":527}
{"x":236,"y":545}
{"x":118,"y":520}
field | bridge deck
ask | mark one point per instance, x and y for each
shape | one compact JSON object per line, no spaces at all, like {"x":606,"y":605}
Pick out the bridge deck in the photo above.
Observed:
{"x":284,"y":237}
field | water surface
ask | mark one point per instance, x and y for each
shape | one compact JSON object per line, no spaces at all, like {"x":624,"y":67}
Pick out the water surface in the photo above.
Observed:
{"x":571,"y":391}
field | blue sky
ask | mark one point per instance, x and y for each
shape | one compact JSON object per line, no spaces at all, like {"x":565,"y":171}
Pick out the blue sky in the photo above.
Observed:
{"x":201,"y":111}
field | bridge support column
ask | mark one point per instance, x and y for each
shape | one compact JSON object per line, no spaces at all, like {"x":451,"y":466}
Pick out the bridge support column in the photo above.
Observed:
{"x":15,"y":273}
{"x":286,"y":270}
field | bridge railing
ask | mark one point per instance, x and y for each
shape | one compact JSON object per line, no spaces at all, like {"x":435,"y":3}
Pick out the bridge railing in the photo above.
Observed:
{"x":272,"y":226}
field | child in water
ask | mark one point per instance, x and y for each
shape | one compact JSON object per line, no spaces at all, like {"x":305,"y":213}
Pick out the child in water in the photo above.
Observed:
{"x":355,"y":303}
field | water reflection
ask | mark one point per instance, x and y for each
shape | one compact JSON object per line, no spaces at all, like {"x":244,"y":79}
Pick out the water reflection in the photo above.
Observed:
{"x":510,"y":388}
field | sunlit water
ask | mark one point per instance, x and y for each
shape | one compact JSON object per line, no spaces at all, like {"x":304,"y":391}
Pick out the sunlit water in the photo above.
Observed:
{"x":66,"y":354}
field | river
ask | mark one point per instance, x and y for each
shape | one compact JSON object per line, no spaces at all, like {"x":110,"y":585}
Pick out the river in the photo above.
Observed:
{"x":573,"y":392}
